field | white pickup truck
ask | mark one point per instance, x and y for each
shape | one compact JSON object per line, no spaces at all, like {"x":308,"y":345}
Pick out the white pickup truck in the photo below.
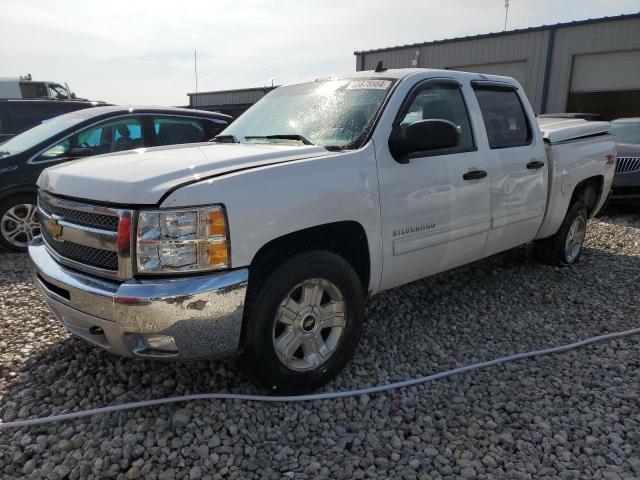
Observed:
{"x":268,"y":240}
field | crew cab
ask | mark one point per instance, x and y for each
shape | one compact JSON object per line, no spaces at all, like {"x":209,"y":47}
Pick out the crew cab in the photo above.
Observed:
{"x":269,"y":240}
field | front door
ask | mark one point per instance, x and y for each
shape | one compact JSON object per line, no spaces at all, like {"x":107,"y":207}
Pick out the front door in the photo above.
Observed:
{"x":434,"y":214}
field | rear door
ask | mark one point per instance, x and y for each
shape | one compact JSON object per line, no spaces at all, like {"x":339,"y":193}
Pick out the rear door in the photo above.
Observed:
{"x":518,"y":166}
{"x":432,"y":217}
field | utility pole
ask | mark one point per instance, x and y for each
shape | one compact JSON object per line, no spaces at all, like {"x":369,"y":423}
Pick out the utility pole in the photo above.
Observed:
{"x":195,"y":67}
{"x":506,"y":13}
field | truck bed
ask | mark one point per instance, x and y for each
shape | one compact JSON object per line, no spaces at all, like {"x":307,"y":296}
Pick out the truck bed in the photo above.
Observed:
{"x":575,"y":149}
{"x":555,"y":130}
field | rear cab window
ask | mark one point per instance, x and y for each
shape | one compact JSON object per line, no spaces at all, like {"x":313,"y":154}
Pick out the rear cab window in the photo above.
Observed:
{"x":504,"y":117}
{"x":33,"y":90}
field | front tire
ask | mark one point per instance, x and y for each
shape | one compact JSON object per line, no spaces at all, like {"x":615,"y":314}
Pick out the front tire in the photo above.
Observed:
{"x":565,"y":247}
{"x":303,"y":322}
{"x":18,"y":222}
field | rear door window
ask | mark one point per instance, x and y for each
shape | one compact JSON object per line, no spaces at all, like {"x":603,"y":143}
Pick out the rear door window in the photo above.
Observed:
{"x":176,"y":130}
{"x":213,"y":128}
{"x":504,"y":117}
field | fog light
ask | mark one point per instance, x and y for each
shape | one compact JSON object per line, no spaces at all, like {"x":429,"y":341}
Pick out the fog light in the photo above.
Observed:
{"x":163,"y":343}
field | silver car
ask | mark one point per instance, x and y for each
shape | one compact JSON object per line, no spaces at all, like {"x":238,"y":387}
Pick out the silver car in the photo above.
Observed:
{"x":626,"y":183}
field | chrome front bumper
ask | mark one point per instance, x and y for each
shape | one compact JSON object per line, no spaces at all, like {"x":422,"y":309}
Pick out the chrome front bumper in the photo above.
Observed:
{"x":202,"y":314}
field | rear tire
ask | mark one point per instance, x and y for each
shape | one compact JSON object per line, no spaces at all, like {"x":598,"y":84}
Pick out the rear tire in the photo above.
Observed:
{"x":18,"y":222}
{"x":565,"y":247}
{"x":303,"y":322}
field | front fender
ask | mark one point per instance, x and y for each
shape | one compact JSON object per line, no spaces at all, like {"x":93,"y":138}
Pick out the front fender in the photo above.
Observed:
{"x":265,"y":203}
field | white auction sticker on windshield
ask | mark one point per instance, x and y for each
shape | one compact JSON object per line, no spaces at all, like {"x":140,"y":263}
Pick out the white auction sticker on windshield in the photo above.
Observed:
{"x":369,"y":85}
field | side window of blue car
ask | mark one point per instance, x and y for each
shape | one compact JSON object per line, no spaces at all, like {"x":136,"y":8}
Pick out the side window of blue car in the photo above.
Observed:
{"x":114,"y":135}
{"x":111,"y":136}
{"x":175,"y":130}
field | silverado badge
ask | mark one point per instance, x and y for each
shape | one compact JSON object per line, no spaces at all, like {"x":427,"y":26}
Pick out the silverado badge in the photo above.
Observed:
{"x":53,"y":227}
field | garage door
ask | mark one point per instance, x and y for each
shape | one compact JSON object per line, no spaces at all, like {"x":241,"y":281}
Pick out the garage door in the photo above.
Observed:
{"x":517,"y":70}
{"x":606,"y":83}
{"x":606,"y":71}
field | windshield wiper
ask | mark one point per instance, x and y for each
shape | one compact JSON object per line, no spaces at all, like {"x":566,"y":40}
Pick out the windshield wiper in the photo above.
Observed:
{"x":291,"y":136}
{"x":224,"y":139}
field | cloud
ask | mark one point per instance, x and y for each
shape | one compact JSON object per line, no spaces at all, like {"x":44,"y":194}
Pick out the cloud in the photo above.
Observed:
{"x":141,"y":52}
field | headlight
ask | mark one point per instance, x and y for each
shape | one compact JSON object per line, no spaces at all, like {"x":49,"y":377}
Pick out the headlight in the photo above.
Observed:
{"x":185,"y":240}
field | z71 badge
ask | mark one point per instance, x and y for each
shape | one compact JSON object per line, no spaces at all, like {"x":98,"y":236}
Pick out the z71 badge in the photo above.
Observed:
{"x":416,"y":229}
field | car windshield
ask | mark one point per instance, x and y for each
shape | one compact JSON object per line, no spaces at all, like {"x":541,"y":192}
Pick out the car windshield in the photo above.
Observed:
{"x":40,"y":133}
{"x":627,"y":132}
{"x":329,"y":113}
{"x":58,"y":91}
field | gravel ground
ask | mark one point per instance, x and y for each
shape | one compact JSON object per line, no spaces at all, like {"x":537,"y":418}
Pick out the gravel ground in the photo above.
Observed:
{"x":573,"y":415}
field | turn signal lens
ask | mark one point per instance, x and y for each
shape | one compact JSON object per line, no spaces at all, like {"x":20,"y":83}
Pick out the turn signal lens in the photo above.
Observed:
{"x":217,"y":225}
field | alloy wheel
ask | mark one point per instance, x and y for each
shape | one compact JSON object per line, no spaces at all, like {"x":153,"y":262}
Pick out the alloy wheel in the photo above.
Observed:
{"x":19,"y":224}
{"x":309,"y":324}
{"x":575,"y":239}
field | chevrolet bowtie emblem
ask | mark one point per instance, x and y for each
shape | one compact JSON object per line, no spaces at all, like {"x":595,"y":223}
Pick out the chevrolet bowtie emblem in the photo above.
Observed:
{"x":53,"y":227}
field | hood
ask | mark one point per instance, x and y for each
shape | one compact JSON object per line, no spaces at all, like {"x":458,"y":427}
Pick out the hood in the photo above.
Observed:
{"x":143,"y":176}
{"x":628,"y":150}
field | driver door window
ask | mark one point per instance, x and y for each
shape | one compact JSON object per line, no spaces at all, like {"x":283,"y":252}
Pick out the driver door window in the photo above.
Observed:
{"x":105,"y":137}
{"x":111,"y":136}
{"x":442,"y":101}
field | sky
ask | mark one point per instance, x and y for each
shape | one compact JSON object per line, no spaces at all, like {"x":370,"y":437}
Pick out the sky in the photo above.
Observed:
{"x":142,"y":52}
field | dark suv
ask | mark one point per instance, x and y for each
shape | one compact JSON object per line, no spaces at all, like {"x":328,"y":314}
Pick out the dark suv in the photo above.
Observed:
{"x":16,"y":116}
{"x":626,"y":183}
{"x":79,"y":134}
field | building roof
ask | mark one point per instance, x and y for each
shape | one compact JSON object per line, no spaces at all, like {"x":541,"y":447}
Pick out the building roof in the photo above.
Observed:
{"x":506,"y":32}
{"x":237,"y":90}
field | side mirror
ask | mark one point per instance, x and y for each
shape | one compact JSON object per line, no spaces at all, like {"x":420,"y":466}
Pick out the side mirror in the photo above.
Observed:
{"x":79,"y":152}
{"x":422,"y":136}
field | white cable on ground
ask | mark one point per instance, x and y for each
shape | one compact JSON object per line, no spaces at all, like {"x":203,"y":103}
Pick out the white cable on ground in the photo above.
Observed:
{"x":315,"y":396}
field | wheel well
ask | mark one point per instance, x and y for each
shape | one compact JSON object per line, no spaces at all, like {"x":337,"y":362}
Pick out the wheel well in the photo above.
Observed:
{"x":589,"y":191}
{"x":18,"y":190}
{"x":347,"y":239}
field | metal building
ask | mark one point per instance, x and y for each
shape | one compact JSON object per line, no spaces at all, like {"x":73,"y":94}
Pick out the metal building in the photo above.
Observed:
{"x":583,"y":66}
{"x":231,"y":102}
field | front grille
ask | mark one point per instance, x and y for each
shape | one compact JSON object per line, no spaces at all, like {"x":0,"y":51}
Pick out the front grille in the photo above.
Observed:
{"x":85,"y":236}
{"x":628,"y":164}
{"x":81,"y":253}
{"x":88,"y":219}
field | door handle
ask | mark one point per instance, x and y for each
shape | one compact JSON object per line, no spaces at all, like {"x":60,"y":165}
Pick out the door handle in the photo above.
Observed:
{"x":535,"y":165}
{"x":474,"y":175}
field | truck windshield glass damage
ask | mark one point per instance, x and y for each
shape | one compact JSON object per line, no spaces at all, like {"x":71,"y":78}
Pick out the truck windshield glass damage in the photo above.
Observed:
{"x":330,"y":113}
